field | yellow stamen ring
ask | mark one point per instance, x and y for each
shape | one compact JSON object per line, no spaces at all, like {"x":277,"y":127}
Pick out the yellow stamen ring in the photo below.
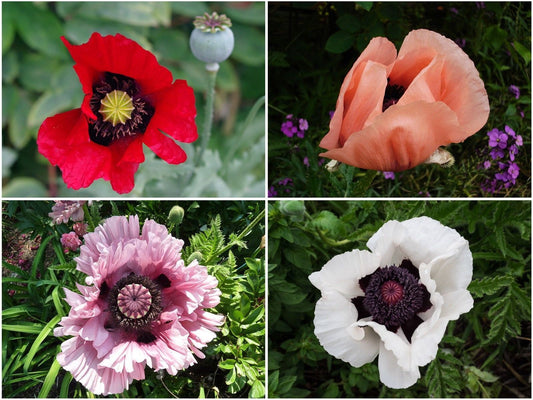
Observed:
{"x":116,"y":107}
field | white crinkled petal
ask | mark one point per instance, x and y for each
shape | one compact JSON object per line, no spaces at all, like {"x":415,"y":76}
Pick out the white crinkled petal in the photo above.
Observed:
{"x":391,"y":374}
{"x":334,"y":327}
{"x":454,"y":271}
{"x":342,"y":272}
{"x":420,"y":240}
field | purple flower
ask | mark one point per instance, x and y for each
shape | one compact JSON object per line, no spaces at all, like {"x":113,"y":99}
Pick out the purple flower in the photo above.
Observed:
{"x":331,"y":114}
{"x":502,"y":176}
{"x":497,"y":139}
{"x":486,"y":164}
{"x":461,"y":42}
{"x":272,"y":191}
{"x":513,"y":170}
{"x":519,"y":141}
{"x":480,"y":4}
{"x":513,"y":151}
{"x":497,"y":153}
{"x":515,"y":90}
{"x":288,"y":128}
{"x":306,"y":161}
{"x":303,"y":124}
{"x":454,"y":10}
{"x":388,"y":175}
{"x":510,"y":131}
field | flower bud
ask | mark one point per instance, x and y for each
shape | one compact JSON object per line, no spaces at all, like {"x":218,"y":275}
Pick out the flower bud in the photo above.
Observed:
{"x":212,"y":39}
{"x":195,"y":256}
{"x":176,"y":215}
{"x":293,"y":208}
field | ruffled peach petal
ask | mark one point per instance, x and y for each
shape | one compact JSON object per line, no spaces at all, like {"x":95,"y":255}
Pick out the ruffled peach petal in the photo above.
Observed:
{"x":367,"y":100}
{"x":379,"y":50}
{"x":426,"y":86}
{"x":461,"y":87}
{"x":400,"y":138}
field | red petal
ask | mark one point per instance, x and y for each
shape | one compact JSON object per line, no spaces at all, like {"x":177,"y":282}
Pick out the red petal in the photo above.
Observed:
{"x":119,"y":55}
{"x":164,"y":147}
{"x":64,"y":140}
{"x":175,"y":112}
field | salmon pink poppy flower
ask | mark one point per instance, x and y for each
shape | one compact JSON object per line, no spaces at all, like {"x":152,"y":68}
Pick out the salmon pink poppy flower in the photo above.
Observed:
{"x":142,"y":306}
{"x":130,"y":100}
{"x":395,"y":109}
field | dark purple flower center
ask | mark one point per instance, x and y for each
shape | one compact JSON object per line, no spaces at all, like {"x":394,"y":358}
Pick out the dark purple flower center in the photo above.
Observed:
{"x":134,"y":302}
{"x":120,"y":108}
{"x":393,"y":297}
{"x":393,"y":93}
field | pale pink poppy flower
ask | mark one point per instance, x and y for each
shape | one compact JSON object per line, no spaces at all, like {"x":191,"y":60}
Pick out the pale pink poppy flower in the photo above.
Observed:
{"x":142,"y":307}
{"x":395,"y":109}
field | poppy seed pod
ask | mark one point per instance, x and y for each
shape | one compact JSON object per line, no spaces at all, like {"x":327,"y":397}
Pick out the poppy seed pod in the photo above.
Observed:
{"x":212,"y":39}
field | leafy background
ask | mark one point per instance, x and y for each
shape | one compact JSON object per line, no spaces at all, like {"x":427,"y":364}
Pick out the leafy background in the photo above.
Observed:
{"x":313,"y":45}
{"x":38,"y":81}
{"x":485,"y":353}
{"x":227,"y":237}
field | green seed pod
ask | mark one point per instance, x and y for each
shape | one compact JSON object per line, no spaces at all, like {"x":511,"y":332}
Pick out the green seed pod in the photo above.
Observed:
{"x":212,"y":40}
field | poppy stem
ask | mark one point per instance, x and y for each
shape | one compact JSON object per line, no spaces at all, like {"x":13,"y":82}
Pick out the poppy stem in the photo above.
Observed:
{"x":212,"y":69}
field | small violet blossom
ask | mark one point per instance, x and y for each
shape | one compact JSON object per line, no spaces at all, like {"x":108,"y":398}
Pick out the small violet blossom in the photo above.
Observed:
{"x":504,"y":147}
{"x":389,"y":175}
{"x":294,"y":126}
{"x":515,"y":91}
{"x":497,"y":139}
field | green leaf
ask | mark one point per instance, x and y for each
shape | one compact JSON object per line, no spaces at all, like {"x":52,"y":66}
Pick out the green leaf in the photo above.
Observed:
{"x":252,"y":13}
{"x":523,"y":51}
{"x":495,"y":36}
{"x":170,"y":44}
{"x":8,"y":26}
{"x":49,"y":104}
{"x":9,"y":156}
{"x":130,"y":13}
{"x":18,"y":131}
{"x":10,"y":67}
{"x":24,"y":187}
{"x":38,"y":340}
{"x":39,"y":28}
{"x":249,"y":45}
{"x":339,"y":42}
{"x":488,"y":285}
{"x":189,"y":8}
{"x":257,"y":390}
{"x":50,"y":379}
{"x":365,"y":5}
{"x":24,"y":327}
{"x":349,"y":23}
{"x":507,"y":314}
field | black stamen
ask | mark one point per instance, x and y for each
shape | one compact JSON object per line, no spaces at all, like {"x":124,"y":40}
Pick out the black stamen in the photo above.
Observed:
{"x":162,"y":281}
{"x":103,"y":132}
{"x":393,"y":93}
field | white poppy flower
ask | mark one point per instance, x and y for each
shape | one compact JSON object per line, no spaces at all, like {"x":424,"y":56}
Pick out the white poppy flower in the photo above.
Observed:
{"x":394,"y":300}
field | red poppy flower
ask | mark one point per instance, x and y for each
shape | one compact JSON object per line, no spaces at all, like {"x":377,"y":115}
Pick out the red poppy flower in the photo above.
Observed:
{"x":395,"y":109}
{"x":129,"y":100}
